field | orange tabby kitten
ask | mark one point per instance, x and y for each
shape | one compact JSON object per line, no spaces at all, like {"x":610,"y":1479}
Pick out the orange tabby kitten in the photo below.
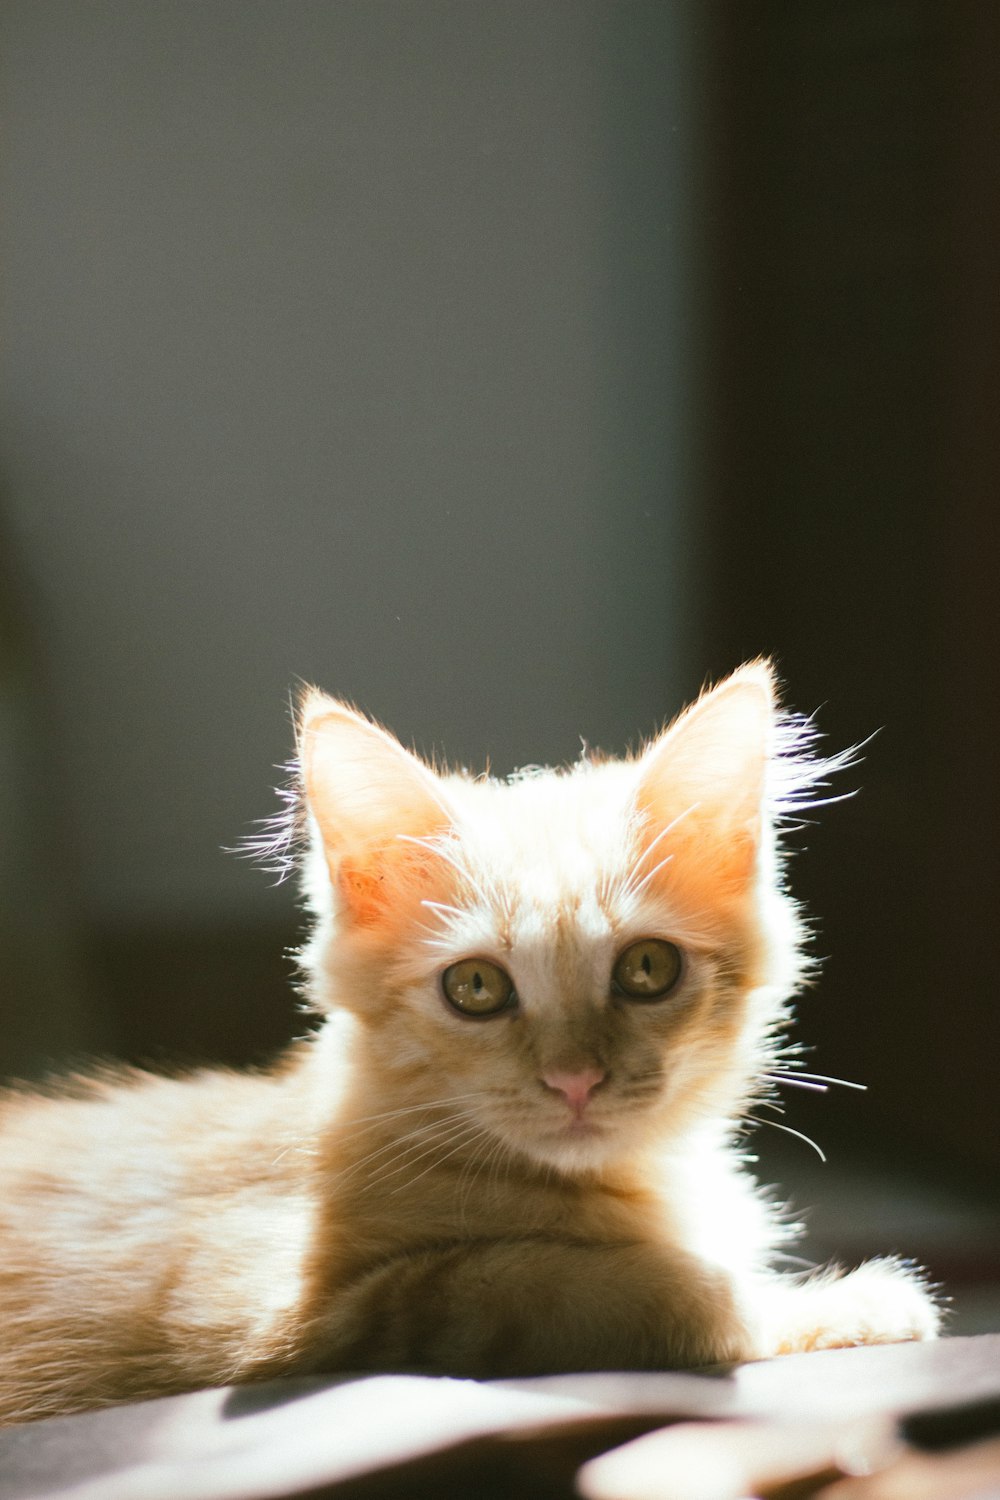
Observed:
{"x":509,"y":1149}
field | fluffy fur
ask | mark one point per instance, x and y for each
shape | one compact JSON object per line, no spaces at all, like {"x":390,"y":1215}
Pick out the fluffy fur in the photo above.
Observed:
{"x":557,"y":1186}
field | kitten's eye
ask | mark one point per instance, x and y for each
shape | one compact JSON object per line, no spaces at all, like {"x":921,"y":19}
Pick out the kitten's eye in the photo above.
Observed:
{"x":647,"y":970}
{"x":477,"y":988}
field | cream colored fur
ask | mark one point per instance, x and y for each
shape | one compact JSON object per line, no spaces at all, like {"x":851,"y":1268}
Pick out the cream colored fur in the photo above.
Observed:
{"x":405,"y":1190}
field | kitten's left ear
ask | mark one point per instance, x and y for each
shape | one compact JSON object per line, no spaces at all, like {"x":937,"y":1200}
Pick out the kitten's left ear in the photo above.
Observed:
{"x":704,"y":779}
{"x":371,"y":800}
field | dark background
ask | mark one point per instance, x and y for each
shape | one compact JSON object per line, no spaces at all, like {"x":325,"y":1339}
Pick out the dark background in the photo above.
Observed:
{"x":510,"y":369}
{"x":854,"y":511}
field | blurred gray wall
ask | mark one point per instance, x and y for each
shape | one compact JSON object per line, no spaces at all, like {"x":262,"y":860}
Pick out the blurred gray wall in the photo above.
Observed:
{"x":355,"y":342}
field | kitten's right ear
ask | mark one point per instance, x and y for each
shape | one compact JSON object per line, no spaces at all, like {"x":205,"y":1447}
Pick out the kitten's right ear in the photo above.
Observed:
{"x":370,"y":800}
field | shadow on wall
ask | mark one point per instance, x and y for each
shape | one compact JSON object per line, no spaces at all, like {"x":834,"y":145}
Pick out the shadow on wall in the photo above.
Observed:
{"x":47,"y":1012}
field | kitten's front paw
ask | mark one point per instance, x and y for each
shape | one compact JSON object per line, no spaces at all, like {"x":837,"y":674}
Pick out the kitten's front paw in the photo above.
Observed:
{"x":882,"y":1302}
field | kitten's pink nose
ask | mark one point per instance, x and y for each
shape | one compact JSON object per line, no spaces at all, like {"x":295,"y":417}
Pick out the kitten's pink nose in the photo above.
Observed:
{"x":576,"y":1088}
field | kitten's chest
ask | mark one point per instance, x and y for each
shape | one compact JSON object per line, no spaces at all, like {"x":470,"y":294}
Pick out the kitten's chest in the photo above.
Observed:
{"x":363,"y":1227}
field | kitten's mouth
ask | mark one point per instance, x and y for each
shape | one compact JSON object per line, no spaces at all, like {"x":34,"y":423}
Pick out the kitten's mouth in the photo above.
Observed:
{"x":569,"y":1138}
{"x":577,"y":1144}
{"x":576,"y":1129}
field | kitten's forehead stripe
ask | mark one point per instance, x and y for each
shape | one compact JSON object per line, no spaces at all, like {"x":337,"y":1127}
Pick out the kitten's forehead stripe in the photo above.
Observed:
{"x":552,"y":841}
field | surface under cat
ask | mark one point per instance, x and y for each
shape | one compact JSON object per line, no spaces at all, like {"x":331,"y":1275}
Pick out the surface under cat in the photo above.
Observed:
{"x":512,"y":1146}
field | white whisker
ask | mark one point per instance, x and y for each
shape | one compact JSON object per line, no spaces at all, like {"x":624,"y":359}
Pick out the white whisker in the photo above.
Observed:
{"x":471,"y":1132}
{"x":443,"y":908}
{"x":804,"y":1079}
{"x":632,"y":886}
{"x":404,"y":1144}
{"x":399,"y":1146}
{"x":801,"y":1083}
{"x":409,"y":1109}
{"x":663,"y":834}
{"x":776,"y":1125}
{"x":637,"y":889}
{"x":433,"y":936}
{"x":436,"y":847}
{"x":405,"y":1156}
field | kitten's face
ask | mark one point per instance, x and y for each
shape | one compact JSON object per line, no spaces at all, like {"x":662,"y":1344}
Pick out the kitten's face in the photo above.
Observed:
{"x":570,"y":958}
{"x":578,"y":1015}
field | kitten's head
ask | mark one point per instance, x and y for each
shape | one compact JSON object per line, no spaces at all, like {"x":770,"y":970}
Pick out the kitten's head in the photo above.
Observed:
{"x":590,"y":960}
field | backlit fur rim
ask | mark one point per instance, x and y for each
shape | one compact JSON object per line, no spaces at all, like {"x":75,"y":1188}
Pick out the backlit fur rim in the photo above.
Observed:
{"x":797,"y":783}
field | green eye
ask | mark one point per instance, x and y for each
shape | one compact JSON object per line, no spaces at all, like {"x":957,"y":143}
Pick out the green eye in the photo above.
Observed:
{"x":476,"y":987}
{"x":647,"y":970}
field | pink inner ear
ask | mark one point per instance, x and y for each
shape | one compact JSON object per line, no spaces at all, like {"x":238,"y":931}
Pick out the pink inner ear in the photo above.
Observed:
{"x":370,"y":799}
{"x":384,"y":886}
{"x":706,"y":776}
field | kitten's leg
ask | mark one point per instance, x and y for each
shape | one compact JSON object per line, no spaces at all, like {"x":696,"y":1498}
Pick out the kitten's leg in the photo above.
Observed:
{"x":882,"y":1302}
{"x":526,"y":1306}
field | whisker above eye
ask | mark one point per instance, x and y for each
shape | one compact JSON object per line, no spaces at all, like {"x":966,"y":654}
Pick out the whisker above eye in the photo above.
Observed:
{"x":443,"y":908}
{"x":639,"y":886}
{"x":663,"y":833}
{"x":436,"y":847}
